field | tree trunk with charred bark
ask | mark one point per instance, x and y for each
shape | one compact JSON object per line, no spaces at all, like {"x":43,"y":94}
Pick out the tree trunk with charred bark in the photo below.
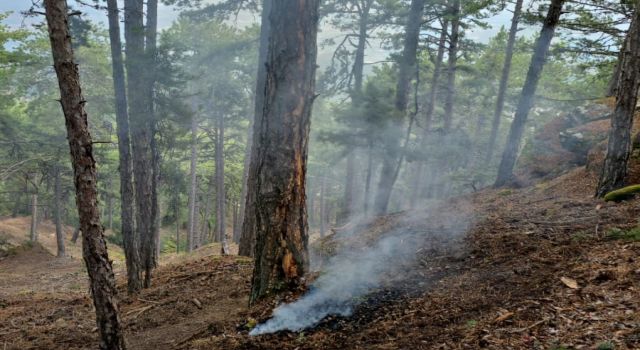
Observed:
{"x":279,"y":158}
{"x":247,"y":213}
{"x":614,"y":169}
{"x":94,"y":248}
{"x":508,"y":161}
{"x":504,"y":80}
{"x":406,"y":69}
{"x":130,"y":237}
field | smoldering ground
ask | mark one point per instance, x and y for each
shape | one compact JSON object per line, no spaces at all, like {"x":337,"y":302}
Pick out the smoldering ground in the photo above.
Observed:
{"x":357,"y":270}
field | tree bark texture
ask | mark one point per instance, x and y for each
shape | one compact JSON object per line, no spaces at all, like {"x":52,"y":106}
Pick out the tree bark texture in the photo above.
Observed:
{"x":614,"y":169}
{"x":247,"y":237}
{"x":141,"y":135}
{"x":277,"y":172}
{"x":130,"y":237}
{"x":151,"y":241}
{"x":94,"y":248}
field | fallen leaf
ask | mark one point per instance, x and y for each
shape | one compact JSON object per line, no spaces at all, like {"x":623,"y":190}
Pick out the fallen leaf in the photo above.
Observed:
{"x":569,"y":282}
{"x":503,"y":317}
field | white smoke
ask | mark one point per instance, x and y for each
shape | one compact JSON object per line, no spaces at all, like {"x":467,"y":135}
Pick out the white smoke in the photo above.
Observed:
{"x":350,"y":275}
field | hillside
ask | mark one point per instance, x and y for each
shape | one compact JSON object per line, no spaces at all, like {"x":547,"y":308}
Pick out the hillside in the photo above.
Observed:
{"x":543,"y":267}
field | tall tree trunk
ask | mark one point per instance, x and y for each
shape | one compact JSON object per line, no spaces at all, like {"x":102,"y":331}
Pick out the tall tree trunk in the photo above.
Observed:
{"x":406,"y":69}
{"x":346,"y":210}
{"x":367,"y":180}
{"x":130,"y":238}
{"x":151,"y":242}
{"x":193,"y":188}
{"x":323,"y":221}
{"x":356,"y":100}
{"x":277,"y":172}
{"x":435,"y":79}
{"x":248,"y":237}
{"x":204,"y":228}
{"x":57,"y":205}
{"x":196,"y":218}
{"x":110,"y":212}
{"x":236,"y":239}
{"x":27,"y":202}
{"x":33,"y":232}
{"x":508,"y":161}
{"x":176,"y":208}
{"x":504,"y":79}
{"x":76,"y":234}
{"x":16,"y":204}
{"x":452,"y":66}
{"x":141,"y":136}
{"x":431,"y":105}
{"x":220,"y":189}
{"x":614,"y":169}
{"x":94,"y":248}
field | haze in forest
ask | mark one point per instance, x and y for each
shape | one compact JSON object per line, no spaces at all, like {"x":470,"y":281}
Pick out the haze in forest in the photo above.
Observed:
{"x":358,"y":155}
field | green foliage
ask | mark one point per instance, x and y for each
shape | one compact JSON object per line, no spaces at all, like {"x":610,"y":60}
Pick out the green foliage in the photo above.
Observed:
{"x":632,"y":234}
{"x":115,"y":238}
{"x":607,"y":345}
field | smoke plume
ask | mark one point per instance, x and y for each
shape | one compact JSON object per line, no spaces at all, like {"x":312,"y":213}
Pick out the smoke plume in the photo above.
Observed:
{"x":353,"y":273}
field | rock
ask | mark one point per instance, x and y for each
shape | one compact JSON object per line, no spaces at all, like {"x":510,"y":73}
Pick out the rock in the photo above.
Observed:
{"x":564,"y":142}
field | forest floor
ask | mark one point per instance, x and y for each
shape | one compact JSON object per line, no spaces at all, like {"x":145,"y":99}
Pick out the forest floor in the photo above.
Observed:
{"x":543,"y":267}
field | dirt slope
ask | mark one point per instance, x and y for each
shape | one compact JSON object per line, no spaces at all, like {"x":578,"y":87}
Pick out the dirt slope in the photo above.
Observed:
{"x":539,"y":269}
{"x":15,"y":232}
